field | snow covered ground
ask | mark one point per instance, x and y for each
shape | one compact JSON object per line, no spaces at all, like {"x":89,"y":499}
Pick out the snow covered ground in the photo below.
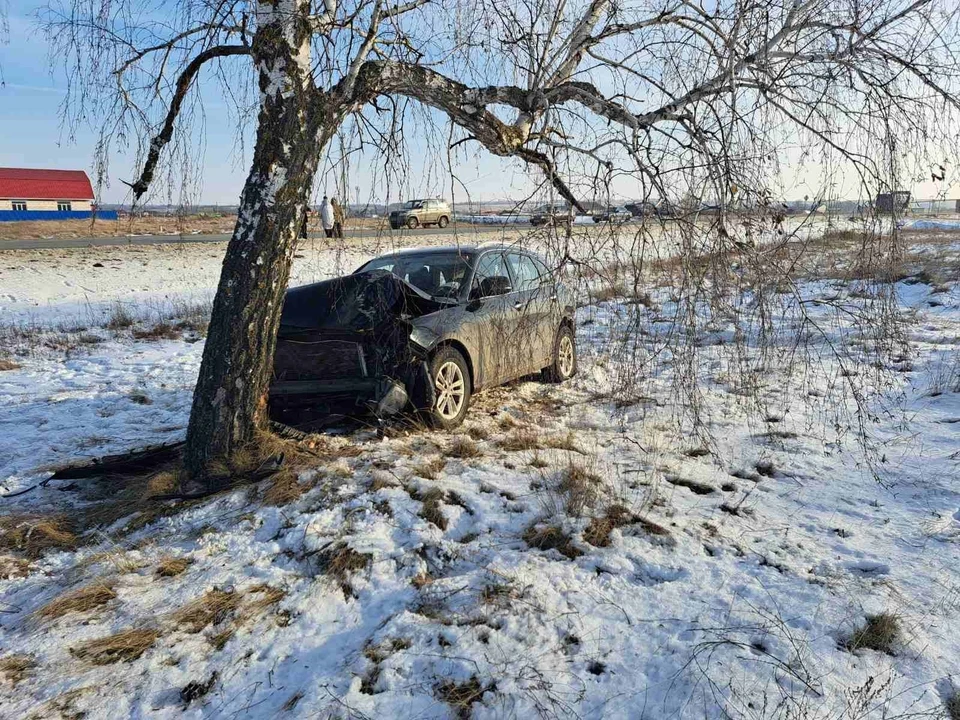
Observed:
{"x":576,"y":551}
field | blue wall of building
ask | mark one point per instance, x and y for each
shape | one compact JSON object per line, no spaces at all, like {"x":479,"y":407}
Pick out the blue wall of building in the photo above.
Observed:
{"x":15,"y":215}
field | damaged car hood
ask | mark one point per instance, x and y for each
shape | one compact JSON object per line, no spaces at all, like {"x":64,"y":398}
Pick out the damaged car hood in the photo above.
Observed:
{"x":358,"y":302}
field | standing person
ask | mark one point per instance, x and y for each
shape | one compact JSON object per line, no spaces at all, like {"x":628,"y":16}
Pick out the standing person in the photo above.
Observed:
{"x":303,"y":226}
{"x":338,"y":217}
{"x":326,"y":216}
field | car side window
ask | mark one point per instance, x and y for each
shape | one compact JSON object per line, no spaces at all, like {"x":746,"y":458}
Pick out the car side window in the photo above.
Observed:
{"x":544,"y":274}
{"x":525,"y":274}
{"x":489,"y":267}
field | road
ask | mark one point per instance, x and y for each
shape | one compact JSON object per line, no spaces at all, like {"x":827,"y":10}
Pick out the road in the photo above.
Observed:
{"x":64,"y":243}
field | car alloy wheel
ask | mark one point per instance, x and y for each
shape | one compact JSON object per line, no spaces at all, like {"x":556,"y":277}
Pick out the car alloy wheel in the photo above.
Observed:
{"x":565,"y":356}
{"x":451,"y":390}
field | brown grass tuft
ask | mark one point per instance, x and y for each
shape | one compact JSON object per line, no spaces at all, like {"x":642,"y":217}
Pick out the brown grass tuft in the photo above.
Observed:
{"x":597,"y":533}
{"x":6,"y":364}
{"x":34,"y":535}
{"x":880,"y":632}
{"x":550,"y":537}
{"x":15,"y":667}
{"x":171,"y":566}
{"x":431,"y":511}
{"x":430,"y":469}
{"x":13,"y":567}
{"x":120,"y":317}
{"x":284,"y":489}
{"x":478,"y":432}
{"x":421,"y":580}
{"x":562,"y":442}
{"x":211,"y":608}
{"x":581,"y":486}
{"x":80,"y":600}
{"x":382,"y":481}
{"x":462,"y":447}
{"x":124,"y":646}
{"x":340,"y":562}
{"x":520,"y":439}
{"x":160,"y":331}
{"x":461,"y":696}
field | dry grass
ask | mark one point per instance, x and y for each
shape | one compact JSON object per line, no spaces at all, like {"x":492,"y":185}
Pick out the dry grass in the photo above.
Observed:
{"x":520,"y":439}
{"x":951,"y":705}
{"x":461,"y":696}
{"x":463,"y":447}
{"x":478,"y":432}
{"x":171,"y":566}
{"x":160,"y":331}
{"x":6,"y":364}
{"x":562,"y":442}
{"x":431,"y":511}
{"x":15,"y":667}
{"x":430,"y":469}
{"x":581,"y":486}
{"x":284,"y":488}
{"x":421,"y":580}
{"x":211,"y":608}
{"x":34,"y":535}
{"x":124,"y":646}
{"x":13,"y":567}
{"x":340,"y":562}
{"x":597,"y":532}
{"x":80,"y":600}
{"x":120,"y":317}
{"x":880,"y":632}
{"x":550,"y":537}
{"x":147,"y":225}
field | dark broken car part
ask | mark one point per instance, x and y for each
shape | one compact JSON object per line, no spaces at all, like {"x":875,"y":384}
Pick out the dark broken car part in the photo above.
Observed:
{"x":345,"y":348}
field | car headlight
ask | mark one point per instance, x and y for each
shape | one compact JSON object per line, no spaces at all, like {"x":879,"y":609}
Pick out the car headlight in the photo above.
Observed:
{"x":424,"y":337}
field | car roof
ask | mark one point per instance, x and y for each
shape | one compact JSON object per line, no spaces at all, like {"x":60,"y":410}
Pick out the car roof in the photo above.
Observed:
{"x":465,"y":249}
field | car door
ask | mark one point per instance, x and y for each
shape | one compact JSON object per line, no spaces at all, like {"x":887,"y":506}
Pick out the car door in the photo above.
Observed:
{"x":490,"y":318}
{"x":534,"y":304}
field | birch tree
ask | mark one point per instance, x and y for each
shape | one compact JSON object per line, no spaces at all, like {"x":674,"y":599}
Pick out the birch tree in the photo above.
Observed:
{"x":569,"y":88}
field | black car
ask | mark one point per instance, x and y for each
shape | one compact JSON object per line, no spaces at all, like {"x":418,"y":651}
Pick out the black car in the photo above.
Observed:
{"x":421,"y":330}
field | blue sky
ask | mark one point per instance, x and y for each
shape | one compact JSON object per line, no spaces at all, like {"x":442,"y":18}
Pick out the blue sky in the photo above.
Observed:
{"x":31,"y":135}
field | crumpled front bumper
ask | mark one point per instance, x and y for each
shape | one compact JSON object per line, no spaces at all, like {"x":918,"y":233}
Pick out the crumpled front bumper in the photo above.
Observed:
{"x":382,"y":396}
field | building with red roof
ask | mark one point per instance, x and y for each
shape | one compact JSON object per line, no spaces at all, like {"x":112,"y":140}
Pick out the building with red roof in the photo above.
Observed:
{"x":32,"y":194}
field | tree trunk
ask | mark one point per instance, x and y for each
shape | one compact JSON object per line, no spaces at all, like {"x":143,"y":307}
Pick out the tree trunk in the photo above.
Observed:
{"x":229,"y":402}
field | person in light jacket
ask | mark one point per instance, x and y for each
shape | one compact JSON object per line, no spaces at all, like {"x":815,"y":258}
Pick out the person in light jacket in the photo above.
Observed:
{"x":326,"y":216}
{"x":338,"y":217}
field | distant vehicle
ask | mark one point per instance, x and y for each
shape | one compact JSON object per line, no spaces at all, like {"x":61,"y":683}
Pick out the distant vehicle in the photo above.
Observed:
{"x":417,"y":213}
{"x":612,"y":215}
{"x":547,"y":216}
{"x":422,"y":330}
{"x":664,"y":211}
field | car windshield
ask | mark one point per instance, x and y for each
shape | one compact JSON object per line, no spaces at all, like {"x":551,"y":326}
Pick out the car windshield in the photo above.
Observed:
{"x":438,"y":274}
{"x":413,"y":204}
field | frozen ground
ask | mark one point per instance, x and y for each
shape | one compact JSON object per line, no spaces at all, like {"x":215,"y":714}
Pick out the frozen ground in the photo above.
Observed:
{"x":577,"y":551}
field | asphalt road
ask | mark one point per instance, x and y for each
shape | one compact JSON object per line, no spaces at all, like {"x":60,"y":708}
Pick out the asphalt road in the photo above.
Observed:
{"x":64,"y":243}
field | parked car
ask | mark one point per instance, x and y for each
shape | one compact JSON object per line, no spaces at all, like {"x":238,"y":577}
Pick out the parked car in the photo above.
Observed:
{"x":547,"y":216}
{"x":612,"y":214}
{"x":416,"y":213}
{"x":421,"y":330}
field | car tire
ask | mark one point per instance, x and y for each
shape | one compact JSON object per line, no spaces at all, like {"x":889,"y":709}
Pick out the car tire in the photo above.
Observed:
{"x":412,"y":223}
{"x":451,"y":385}
{"x":443,"y":221}
{"x":564,"y":365}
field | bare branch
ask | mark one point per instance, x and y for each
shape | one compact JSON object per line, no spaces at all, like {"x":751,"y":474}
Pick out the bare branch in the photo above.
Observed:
{"x":184,"y":82}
